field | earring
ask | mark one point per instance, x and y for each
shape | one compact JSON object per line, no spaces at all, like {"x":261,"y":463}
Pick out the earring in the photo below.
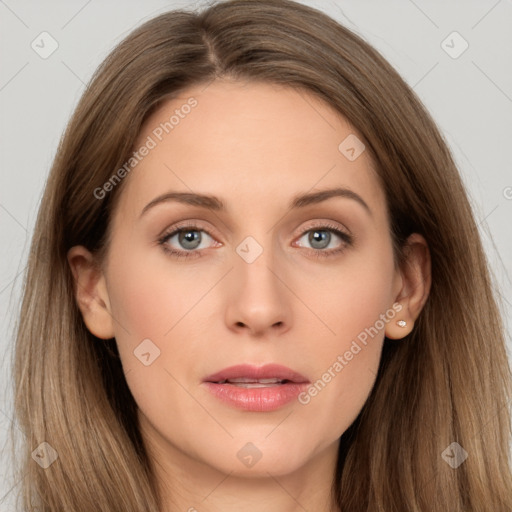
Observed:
{"x":401,"y":323}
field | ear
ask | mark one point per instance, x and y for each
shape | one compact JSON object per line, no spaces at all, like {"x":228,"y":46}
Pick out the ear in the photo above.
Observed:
{"x":413,"y":286}
{"x":91,"y":292}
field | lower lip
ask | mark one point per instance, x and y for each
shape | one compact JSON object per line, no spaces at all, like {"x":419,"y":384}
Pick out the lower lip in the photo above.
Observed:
{"x":263,"y":399}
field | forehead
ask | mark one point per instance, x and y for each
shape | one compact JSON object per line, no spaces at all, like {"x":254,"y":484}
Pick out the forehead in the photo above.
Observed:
{"x":249,"y":142}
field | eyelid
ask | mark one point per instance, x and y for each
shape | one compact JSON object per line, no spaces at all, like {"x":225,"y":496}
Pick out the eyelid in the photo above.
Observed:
{"x":181,"y":225}
{"x":192,"y":223}
{"x":325,"y":223}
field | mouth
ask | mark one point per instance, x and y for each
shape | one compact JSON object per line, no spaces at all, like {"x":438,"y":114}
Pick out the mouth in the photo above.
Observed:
{"x":245,"y":382}
{"x":259,"y":389}
{"x":247,"y":375}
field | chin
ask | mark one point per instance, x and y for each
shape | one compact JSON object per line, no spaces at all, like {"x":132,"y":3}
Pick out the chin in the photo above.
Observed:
{"x":256,"y":458}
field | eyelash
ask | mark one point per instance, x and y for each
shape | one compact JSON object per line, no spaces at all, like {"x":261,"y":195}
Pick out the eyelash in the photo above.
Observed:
{"x":317,"y":253}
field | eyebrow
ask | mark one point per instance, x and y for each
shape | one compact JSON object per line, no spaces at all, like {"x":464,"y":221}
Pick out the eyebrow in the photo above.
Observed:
{"x":216,"y":204}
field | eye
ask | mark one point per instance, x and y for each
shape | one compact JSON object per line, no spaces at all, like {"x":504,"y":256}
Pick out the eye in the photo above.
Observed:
{"x":321,"y":237}
{"x":183,"y":241}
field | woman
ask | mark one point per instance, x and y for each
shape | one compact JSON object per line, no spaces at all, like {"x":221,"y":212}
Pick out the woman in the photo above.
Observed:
{"x":257,"y":283}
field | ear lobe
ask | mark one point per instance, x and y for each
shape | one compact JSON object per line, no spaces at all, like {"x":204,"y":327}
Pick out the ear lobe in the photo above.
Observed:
{"x":415,"y":288}
{"x":91,"y":292}
{"x":398,"y":328}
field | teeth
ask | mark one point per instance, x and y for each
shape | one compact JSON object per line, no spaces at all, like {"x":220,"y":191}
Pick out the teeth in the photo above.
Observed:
{"x":252,"y":382}
{"x":255,"y":384}
{"x":249,"y":380}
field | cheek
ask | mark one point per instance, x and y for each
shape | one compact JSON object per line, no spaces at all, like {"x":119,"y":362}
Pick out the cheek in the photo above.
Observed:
{"x":152,"y":302}
{"x":149,"y":295}
{"x":351,"y":294}
{"x":357,"y":305}
{"x":166,"y":303}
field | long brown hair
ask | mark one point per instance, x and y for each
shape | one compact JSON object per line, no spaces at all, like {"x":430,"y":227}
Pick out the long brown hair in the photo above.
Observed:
{"x":448,"y":381}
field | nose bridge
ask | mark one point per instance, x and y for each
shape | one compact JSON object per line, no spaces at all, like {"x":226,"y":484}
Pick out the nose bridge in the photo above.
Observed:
{"x":258,"y":299}
{"x":254,"y":264}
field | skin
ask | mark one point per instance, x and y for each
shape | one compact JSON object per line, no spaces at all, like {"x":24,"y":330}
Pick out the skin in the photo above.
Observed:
{"x":255,"y":146}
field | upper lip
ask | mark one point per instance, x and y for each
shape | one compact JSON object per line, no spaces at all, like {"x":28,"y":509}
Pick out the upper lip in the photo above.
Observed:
{"x":248,"y":371}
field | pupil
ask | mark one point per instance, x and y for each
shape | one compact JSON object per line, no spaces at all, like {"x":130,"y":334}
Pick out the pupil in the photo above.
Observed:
{"x":189,"y":238}
{"x":320,"y":236}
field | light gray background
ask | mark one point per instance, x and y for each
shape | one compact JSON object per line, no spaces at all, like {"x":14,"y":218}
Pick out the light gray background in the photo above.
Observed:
{"x":470,"y":97}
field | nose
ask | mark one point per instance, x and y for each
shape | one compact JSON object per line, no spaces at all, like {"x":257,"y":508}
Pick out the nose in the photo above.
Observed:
{"x":259,"y":299}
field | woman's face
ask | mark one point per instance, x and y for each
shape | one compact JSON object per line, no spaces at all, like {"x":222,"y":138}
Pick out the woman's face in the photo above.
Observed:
{"x":260,"y":281}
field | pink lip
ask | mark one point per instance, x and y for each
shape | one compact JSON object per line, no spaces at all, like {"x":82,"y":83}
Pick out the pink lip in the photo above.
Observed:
{"x":267,"y":371}
{"x":263,"y":399}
